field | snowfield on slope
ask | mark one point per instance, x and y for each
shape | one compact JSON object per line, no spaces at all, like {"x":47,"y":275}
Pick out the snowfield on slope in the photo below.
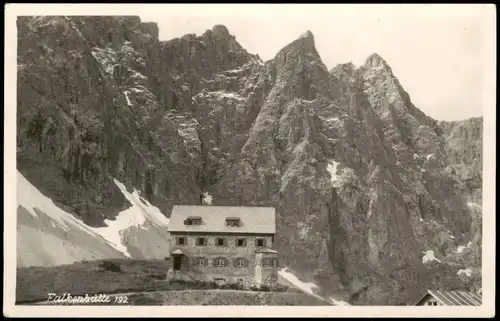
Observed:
{"x":48,"y":235}
{"x":29,"y":197}
{"x":140,"y":212}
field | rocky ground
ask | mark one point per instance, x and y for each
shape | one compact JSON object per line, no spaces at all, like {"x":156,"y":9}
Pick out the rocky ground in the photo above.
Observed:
{"x":373,"y":197}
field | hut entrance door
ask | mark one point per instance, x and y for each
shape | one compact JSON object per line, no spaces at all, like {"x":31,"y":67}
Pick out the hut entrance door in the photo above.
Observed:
{"x":177,"y":262}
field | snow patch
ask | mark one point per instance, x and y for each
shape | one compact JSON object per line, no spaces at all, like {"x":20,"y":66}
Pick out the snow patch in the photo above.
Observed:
{"x":460,"y":249}
{"x":338,"y":302}
{"x":137,"y":90}
{"x":474,"y":206}
{"x":223,"y":94}
{"x":332,"y":169}
{"x":467,"y":271}
{"x":207,"y":198}
{"x":429,"y":156}
{"x":429,"y":257}
{"x":294,"y":280}
{"x":136,"y":215}
{"x":233,"y":71}
{"x":128,"y":100}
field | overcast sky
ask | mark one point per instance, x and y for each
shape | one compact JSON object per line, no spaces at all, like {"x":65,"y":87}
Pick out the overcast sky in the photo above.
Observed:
{"x":436,"y":51}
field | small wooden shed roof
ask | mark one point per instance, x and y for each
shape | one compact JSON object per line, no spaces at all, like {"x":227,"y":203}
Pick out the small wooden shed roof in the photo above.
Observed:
{"x":456,"y":297}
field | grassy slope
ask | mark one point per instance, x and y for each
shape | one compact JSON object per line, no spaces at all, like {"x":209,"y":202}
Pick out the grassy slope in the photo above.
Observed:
{"x":34,"y":284}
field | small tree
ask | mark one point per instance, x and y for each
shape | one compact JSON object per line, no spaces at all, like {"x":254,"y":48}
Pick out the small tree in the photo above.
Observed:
{"x":36,"y":127}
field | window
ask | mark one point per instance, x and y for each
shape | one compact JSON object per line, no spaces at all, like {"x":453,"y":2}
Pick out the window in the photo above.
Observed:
{"x":220,"y":280}
{"x":275,"y":262}
{"x":240,"y":262}
{"x":220,"y":241}
{"x":266,"y":262}
{"x":181,"y":240}
{"x":241,"y":242}
{"x":192,"y":221}
{"x":233,"y":221}
{"x":240,"y":280}
{"x":260,"y":242}
{"x":220,"y":262}
{"x":201,"y":241}
{"x":200,"y":262}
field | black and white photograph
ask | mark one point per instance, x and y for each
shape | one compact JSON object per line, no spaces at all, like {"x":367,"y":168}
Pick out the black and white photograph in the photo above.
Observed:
{"x":250,"y":157}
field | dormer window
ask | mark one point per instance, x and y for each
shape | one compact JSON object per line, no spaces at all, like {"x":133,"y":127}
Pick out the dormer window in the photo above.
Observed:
{"x":192,"y":220}
{"x":233,"y":221}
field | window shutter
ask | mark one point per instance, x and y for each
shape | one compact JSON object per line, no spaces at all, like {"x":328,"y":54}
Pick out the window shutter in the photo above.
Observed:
{"x":226,"y":262}
{"x":235,"y":262}
{"x":205,"y":261}
{"x":246,"y":262}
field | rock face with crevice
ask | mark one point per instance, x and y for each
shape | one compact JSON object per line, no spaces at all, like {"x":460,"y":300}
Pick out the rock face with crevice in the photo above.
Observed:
{"x":373,"y":197}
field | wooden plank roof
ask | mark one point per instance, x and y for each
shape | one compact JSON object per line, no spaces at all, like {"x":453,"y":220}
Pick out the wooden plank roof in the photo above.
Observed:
{"x":457,"y":297}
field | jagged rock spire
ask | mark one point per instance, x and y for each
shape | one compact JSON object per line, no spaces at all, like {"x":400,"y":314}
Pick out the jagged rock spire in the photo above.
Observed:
{"x":375,"y":60}
{"x":303,"y":44}
{"x":220,"y":30}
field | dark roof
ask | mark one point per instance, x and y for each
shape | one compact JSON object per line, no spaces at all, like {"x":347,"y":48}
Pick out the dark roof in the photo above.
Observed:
{"x":455,"y":297}
{"x":259,"y":220}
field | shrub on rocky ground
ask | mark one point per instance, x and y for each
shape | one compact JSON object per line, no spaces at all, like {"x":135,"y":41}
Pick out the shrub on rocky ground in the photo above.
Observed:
{"x":110,"y":266}
{"x":158,"y":276}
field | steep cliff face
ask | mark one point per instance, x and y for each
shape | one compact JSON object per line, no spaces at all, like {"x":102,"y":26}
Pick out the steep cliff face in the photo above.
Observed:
{"x":373,"y":197}
{"x":87,"y":114}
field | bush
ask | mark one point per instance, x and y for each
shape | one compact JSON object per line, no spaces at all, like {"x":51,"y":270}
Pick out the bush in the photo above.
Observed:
{"x":281,"y":288}
{"x":235,"y":286}
{"x":265,"y":288}
{"x":158,"y":276}
{"x":262,"y":288}
{"x":110,"y":266}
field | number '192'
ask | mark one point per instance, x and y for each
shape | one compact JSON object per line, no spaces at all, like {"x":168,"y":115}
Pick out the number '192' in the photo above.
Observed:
{"x":121,"y":299}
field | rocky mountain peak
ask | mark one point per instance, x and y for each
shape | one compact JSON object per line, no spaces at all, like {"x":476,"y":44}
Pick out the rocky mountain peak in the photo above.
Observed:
{"x":376,"y":61}
{"x":307,"y":35}
{"x":303,"y":45}
{"x":221,"y":31}
{"x":345,"y":68}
